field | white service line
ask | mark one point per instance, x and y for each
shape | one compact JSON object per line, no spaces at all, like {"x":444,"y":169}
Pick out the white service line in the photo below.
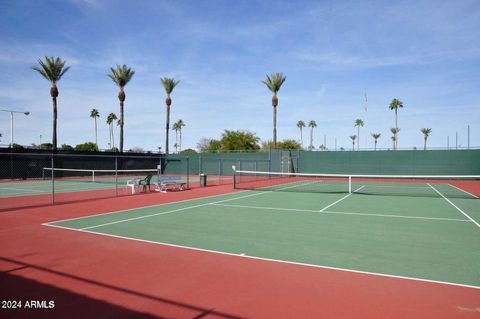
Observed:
{"x":461,"y":211}
{"x":22,"y":190}
{"x":463,"y":191}
{"x":338,"y":201}
{"x":185,"y":208}
{"x":345,"y":213}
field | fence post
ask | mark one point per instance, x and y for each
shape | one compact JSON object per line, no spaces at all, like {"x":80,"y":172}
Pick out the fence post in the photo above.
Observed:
{"x":52,"y":165}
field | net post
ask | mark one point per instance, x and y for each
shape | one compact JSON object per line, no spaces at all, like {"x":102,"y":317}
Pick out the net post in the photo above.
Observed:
{"x":93,"y":176}
{"x":349,"y":184}
{"x":234,"y":180}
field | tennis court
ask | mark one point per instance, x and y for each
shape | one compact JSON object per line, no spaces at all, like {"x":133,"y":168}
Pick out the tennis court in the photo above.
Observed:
{"x":378,"y":227}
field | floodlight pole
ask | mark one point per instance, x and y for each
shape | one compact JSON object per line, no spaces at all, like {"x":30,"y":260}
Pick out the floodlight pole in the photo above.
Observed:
{"x":11,"y":123}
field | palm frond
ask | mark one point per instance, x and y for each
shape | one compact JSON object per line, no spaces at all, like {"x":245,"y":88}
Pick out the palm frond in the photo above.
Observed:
{"x":52,"y":69}
{"x":300,"y":124}
{"x":94,"y":113}
{"x":121,"y":75}
{"x":169,"y":84}
{"x":274,"y":82}
{"x":359,"y":122}
{"x":312,"y":124}
{"x":353,"y":137}
{"x":395,"y":104}
{"x":426,"y":131}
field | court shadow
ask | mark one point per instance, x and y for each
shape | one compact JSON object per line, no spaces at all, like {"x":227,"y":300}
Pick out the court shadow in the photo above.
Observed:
{"x":54,"y":302}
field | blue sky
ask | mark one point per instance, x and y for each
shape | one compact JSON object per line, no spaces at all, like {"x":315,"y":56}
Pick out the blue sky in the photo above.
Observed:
{"x":426,"y":53}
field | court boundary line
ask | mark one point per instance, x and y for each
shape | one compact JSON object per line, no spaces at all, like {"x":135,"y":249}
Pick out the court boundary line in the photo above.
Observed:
{"x":461,"y":211}
{"x":347,"y":213}
{"x":475,"y":196}
{"x":242,"y":255}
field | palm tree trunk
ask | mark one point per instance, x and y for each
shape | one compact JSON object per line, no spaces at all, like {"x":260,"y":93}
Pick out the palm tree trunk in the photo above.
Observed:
{"x":167,"y":128}
{"x":311,"y":139}
{"x":353,"y":146}
{"x":274,"y":126}
{"x":96,"y":137}
{"x":113,"y":136}
{"x":396,"y":127}
{"x":358,"y":145}
{"x":180,"y":139}
{"x":425,"y":144}
{"x":301,"y":136}
{"x":121,"y":126}
{"x":54,"y":133}
{"x":375,"y":145}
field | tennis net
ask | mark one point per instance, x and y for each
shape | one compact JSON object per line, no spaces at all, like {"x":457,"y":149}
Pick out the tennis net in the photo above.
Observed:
{"x":98,"y":175}
{"x":450,"y":186}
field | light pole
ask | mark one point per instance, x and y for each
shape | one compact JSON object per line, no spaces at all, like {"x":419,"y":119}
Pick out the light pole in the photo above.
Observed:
{"x":11,"y":123}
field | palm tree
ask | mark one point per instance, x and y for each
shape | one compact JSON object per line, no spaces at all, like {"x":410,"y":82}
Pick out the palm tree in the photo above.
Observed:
{"x":110,"y":119}
{"x":168,"y":85}
{"x":353,"y":137}
{"x":121,"y":75}
{"x":94,"y":114}
{"x":376,"y":136}
{"x":301,"y":125}
{"x":312,"y":124}
{"x":180,"y":125}
{"x":394,"y":105}
{"x":426,"y":132}
{"x":176,"y":128}
{"x":395,"y":131}
{"x":358,"y":123}
{"x":274,"y":83}
{"x":52,"y":69}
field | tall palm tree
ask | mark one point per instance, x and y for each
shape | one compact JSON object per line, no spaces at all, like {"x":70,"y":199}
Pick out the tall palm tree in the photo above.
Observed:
{"x":312,"y":124}
{"x":274,"y":83}
{"x":301,"y":125}
{"x":94,"y":114}
{"x":395,"y":105}
{"x":376,"y":136}
{"x":112,"y":117}
{"x":358,"y":123}
{"x":168,"y":84}
{"x":353,"y":137}
{"x":121,"y":75}
{"x":52,"y":69}
{"x":395,"y":131}
{"x":176,"y":128}
{"x":426,"y":132}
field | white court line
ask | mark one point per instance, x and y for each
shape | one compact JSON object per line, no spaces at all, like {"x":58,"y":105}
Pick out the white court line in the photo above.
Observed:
{"x":189,"y":207}
{"x":346,"y":213}
{"x":23,"y":189}
{"x":344,"y":197}
{"x":461,"y":211}
{"x":463,"y":191}
{"x":277,"y":260}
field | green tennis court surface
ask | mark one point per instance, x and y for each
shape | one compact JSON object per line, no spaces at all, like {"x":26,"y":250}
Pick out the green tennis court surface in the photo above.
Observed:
{"x":424,"y":237}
